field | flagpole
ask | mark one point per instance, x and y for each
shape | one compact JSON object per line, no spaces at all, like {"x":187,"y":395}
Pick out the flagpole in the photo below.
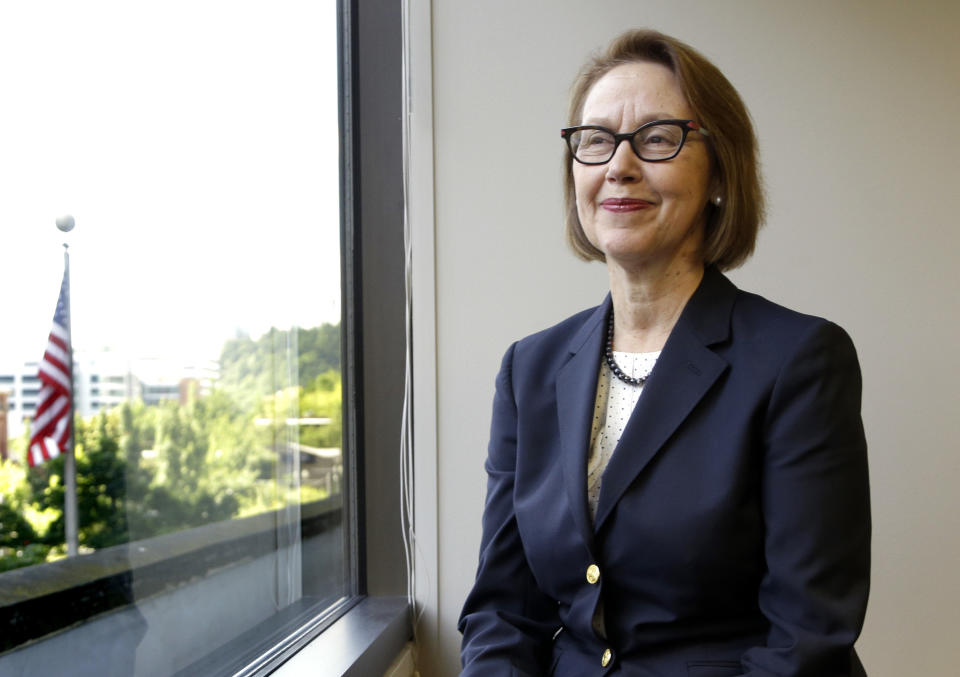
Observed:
{"x":66,"y":224}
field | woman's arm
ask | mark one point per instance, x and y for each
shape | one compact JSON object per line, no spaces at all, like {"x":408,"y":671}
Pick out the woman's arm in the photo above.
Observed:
{"x":816,"y":509}
{"x":507,"y":623}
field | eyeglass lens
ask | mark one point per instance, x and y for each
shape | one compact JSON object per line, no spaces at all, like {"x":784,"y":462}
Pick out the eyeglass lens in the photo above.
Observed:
{"x":650,"y":143}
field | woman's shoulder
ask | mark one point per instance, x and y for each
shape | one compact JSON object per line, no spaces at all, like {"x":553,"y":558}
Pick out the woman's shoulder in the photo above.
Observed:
{"x":742,"y":325}
{"x":752,"y":309}
{"x":547,"y":349}
{"x":567,"y":331}
{"x":763,"y":326}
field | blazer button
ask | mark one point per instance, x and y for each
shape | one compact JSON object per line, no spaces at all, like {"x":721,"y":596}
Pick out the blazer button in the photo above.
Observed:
{"x":593,"y":574}
{"x":607,"y":657}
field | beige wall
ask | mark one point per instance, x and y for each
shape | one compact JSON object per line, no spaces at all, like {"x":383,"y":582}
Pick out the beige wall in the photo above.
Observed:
{"x":857,"y":105}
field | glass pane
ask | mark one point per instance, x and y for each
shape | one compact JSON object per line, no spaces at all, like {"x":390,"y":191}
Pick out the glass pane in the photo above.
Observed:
{"x":196,"y":144}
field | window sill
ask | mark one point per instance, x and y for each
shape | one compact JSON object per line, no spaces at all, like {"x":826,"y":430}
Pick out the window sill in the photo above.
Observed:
{"x":60,"y":599}
{"x":361,"y":643}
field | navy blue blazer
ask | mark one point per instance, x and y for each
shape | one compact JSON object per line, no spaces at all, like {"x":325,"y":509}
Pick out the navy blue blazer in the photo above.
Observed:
{"x":732,"y":535}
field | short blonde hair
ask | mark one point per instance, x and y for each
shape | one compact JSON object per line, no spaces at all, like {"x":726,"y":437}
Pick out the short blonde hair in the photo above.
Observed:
{"x":731,"y":227}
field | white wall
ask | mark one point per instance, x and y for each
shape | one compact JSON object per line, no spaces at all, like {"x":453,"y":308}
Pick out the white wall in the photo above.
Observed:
{"x":857,"y":105}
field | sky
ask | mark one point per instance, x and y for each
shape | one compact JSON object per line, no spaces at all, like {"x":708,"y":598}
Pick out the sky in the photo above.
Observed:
{"x":196,"y":145}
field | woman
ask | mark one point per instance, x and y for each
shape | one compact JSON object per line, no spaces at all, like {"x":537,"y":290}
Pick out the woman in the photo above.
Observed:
{"x":677,"y":477}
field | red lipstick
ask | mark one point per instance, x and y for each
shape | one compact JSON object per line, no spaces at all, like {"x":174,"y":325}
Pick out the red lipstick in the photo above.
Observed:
{"x":625,"y":204}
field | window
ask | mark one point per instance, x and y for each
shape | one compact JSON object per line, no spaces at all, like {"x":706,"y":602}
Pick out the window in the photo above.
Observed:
{"x":223,"y":141}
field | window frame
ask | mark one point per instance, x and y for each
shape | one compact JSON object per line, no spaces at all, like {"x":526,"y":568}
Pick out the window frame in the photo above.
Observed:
{"x":375,"y":626}
{"x":368,"y":630}
{"x":375,"y":616}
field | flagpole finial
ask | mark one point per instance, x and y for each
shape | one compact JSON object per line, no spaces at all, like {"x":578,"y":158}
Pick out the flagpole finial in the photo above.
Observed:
{"x":65,"y":223}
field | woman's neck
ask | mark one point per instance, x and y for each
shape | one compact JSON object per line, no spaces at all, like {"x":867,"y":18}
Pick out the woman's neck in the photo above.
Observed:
{"x":648,"y":303}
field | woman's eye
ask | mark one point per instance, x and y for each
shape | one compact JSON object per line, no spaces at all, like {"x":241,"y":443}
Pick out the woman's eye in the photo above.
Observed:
{"x":656,"y":140}
{"x":660,"y":137}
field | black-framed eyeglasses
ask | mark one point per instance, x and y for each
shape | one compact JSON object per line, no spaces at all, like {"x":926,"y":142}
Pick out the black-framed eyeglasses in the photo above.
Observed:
{"x":655,"y":141}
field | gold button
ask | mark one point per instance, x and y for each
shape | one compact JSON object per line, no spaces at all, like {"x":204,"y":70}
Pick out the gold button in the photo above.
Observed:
{"x":593,"y":574}
{"x":607,"y":655}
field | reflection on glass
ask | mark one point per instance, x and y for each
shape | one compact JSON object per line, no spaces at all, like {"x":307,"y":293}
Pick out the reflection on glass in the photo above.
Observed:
{"x":208,"y":427}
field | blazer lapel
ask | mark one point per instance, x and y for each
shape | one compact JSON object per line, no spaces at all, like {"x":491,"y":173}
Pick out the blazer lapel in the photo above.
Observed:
{"x":685,"y":371}
{"x":576,"y":395}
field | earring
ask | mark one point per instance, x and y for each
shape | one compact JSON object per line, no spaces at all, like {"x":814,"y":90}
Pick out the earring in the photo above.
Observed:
{"x":718,"y":200}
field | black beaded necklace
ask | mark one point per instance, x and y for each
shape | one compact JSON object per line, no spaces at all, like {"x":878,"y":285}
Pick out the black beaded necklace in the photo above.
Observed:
{"x":612,"y":363}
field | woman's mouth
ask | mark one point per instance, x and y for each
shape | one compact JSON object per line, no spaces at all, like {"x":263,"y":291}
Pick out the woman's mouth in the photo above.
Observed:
{"x":624,"y":204}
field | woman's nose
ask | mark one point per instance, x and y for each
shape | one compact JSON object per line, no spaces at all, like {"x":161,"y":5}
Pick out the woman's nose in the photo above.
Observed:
{"x":624,"y":165}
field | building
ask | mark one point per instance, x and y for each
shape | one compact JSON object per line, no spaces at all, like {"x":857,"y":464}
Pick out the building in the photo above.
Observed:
{"x":22,"y":387}
{"x":102,"y":380}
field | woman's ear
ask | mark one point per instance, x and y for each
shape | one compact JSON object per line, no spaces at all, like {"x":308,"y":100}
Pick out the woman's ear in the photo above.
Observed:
{"x":715,"y":193}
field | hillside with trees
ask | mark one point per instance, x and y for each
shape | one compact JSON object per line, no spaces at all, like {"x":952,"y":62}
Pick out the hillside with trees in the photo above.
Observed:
{"x":143,"y":470}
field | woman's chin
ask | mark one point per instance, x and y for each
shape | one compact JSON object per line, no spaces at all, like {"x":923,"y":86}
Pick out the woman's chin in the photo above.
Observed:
{"x":627,"y":252}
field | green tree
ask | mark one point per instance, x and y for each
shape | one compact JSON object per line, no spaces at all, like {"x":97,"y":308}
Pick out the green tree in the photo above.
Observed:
{"x":247,"y":366}
{"x":101,"y":483}
{"x":101,"y":486}
{"x":323,"y":398}
{"x":319,"y":351}
{"x":18,"y":539}
{"x":147,"y":470}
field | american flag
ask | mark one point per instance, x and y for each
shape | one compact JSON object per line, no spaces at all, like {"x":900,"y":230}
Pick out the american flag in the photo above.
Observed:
{"x":50,"y":430}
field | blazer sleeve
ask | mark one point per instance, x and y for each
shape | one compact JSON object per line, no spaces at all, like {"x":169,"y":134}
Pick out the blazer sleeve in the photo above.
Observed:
{"x":507,"y":622}
{"x":816,"y":510}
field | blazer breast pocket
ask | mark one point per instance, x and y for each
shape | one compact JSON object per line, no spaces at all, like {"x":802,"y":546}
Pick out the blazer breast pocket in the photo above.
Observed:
{"x":714,"y":669}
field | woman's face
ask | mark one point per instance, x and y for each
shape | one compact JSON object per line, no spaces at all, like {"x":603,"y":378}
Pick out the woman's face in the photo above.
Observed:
{"x":636,"y":212}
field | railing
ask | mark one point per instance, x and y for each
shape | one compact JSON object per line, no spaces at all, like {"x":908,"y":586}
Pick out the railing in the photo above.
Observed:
{"x":40,"y":600}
